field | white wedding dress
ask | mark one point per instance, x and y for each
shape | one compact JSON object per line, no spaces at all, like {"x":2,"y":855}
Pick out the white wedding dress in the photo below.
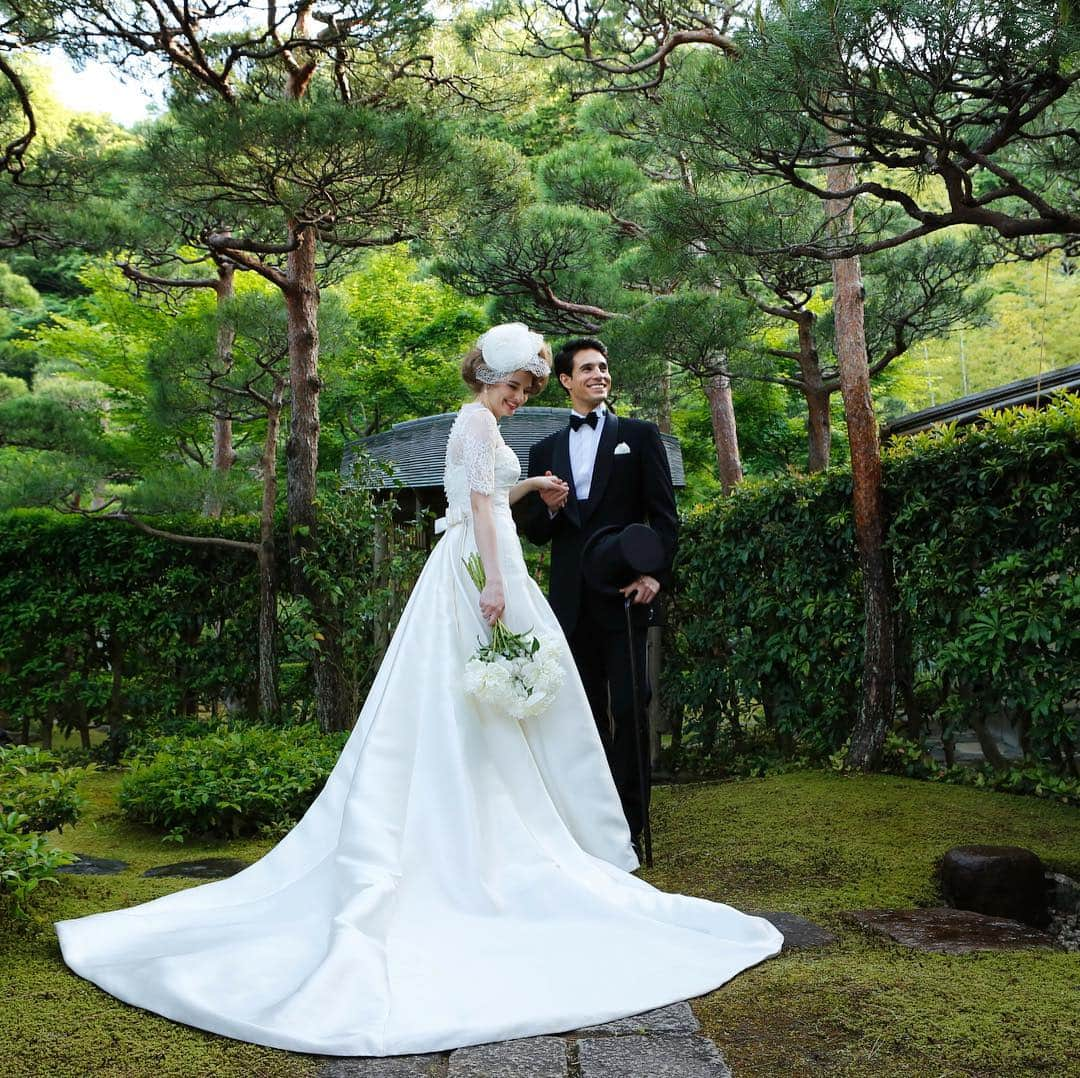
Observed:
{"x":462,"y":878}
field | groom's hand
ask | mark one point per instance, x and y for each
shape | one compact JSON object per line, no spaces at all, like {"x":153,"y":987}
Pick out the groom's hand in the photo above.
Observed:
{"x":643,"y":590}
{"x":554,"y":499}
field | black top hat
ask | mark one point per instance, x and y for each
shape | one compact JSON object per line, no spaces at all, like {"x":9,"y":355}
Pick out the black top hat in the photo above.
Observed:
{"x":617,"y":555}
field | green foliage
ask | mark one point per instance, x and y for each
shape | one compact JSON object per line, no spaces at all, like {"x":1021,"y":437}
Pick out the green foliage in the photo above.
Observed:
{"x":44,"y":795}
{"x":1031,"y":328}
{"x":399,"y":350}
{"x":985,"y":542}
{"x":910,"y":758}
{"x":229,"y":783}
{"x":26,"y":860}
{"x":365,"y":565}
{"x":101,"y":623}
{"x":983,"y":532}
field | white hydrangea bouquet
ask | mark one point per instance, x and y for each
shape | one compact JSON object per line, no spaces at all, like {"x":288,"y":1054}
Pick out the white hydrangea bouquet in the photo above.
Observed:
{"x":517,"y":674}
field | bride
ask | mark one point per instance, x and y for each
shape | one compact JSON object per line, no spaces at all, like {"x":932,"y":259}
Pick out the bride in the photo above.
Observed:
{"x":463,"y":877}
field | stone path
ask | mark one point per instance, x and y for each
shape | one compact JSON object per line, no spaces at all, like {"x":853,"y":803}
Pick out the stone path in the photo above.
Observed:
{"x":944,"y":930}
{"x":664,"y":1043}
{"x":93,"y":866}
{"x":209,"y":868}
{"x":799,"y":933}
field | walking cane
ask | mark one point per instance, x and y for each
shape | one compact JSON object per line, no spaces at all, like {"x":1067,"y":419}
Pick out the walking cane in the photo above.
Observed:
{"x":643,"y":779}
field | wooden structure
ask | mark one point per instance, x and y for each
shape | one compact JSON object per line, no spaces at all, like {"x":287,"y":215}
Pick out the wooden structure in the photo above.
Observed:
{"x":408,"y":458}
{"x":1034,"y":392}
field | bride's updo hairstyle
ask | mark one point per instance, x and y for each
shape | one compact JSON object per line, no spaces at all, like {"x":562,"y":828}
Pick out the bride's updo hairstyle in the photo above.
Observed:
{"x":504,"y":349}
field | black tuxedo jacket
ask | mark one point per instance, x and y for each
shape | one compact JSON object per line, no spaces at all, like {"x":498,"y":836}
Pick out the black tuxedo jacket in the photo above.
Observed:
{"x":627,"y":488}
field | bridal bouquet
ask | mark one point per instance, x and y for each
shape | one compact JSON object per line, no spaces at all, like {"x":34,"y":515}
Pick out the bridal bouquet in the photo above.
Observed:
{"x":516,"y":673}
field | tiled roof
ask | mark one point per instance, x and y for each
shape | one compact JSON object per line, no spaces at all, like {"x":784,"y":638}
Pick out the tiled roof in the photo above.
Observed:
{"x":1026,"y":391}
{"x":412,"y":454}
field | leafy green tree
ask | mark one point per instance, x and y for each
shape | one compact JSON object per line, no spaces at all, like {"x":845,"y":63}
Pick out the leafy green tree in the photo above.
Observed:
{"x":859,"y":106}
{"x":403,"y":338}
{"x":294,"y":137}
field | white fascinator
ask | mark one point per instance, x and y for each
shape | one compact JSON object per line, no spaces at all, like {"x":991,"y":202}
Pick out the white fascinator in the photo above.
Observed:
{"x":510,"y":347}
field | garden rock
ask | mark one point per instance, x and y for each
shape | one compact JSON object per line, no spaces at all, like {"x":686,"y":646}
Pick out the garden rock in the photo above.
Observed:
{"x":799,"y":933}
{"x":651,"y":1057}
{"x":93,"y":866}
{"x":1001,"y":881}
{"x":1063,"y":898}
{"x":210,"y":868}
{"x":950,"y":931}
{"x":1062,"y":893}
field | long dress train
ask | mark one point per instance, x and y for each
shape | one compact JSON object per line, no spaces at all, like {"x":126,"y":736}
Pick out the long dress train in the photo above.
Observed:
{"x":462,"y":878}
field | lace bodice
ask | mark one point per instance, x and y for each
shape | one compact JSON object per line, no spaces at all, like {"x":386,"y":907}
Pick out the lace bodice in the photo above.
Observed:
{"x":477,"y":459}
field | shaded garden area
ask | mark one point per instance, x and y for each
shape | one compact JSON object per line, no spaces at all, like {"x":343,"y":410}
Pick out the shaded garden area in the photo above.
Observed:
{"x":813,"y":844}
{"x":789,"y":223}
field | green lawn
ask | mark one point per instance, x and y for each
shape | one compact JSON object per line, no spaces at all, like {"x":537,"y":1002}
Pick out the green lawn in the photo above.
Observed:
{"x":810,"y":843}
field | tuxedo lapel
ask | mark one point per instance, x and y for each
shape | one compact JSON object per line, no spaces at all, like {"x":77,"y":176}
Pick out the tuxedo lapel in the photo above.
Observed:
{"x":605,"y":454}
{"x":560,"y":465}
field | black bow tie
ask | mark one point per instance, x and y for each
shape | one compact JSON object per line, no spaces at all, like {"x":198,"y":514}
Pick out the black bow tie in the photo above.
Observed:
{"x":578,"y":421}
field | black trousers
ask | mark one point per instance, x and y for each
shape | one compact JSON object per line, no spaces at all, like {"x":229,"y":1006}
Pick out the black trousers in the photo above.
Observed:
{"x":603,"y":661}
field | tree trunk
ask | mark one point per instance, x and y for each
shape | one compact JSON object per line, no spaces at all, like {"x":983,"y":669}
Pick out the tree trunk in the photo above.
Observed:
{"x":302,"y":454}
{"x":224,"y":453}
{"x":816,"y":395}
{"x":725,"y":432}
{"x":269,"y":703}
{"x":115,"y":712}
{"x":878,"y":680}
{"x":991,"y":753}
{"x":818,"y":430}
{"x":47,"y":722}
{"x":82,"y":714}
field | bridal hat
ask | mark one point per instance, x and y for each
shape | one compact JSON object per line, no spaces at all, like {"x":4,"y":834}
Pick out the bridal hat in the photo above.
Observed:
{"x":510,"y":347}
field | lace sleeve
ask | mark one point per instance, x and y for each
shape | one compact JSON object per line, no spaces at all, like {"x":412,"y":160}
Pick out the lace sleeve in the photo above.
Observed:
{"x":479,"y":439}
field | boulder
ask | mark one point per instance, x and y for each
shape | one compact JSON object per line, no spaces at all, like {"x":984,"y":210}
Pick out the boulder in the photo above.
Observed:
{"x":1000,"y":881}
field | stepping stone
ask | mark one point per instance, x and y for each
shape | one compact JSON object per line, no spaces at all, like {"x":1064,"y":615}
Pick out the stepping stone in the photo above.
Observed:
{"x":529,"y":1057}
{"x":419,"y":1066}
{"x":210,"y":868}
{"x":93,"y":866}
{"x":799,"y":933}
{"x":949,"y":931}
{"x":677,"y":1056}
{"x":675,"y":1018}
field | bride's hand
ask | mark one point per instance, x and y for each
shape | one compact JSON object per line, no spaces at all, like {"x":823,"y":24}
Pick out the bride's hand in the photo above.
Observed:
{"x":552,"y":490}
{"x":492,"y":603}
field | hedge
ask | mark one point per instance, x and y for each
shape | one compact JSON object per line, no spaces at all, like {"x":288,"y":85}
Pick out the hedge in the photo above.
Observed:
{"x":984,"y":537}
{"x":100,"y":623}
{"x":230,"y":782}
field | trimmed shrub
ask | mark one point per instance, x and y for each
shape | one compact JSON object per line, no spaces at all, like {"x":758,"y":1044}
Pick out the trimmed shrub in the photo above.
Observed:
{"x":34,"y":787}
{"x":231,"y":782}
{"x":100,"y":623}
{"x":26,"y":860}
{"x":984,"y":535}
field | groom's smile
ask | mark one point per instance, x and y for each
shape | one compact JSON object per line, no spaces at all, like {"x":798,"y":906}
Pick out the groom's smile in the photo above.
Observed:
{"x":590,"y":381}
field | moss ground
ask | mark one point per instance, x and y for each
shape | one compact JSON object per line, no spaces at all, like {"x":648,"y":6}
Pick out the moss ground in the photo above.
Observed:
{"x":811,"y":843}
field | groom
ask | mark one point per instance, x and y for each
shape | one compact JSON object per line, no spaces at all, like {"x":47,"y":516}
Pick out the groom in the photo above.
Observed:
{"x":617,"y":474}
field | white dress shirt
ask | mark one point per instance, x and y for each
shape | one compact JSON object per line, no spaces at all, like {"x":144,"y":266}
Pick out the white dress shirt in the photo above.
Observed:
{"x":583,"y":445}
